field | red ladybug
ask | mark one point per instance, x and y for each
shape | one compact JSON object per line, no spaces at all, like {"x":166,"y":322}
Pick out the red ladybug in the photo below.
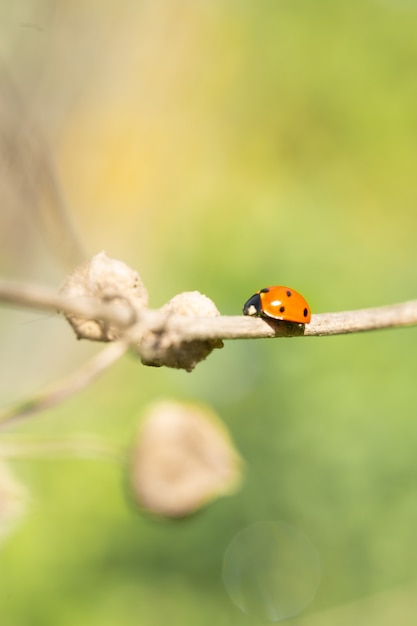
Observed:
{"x":279,"y":303}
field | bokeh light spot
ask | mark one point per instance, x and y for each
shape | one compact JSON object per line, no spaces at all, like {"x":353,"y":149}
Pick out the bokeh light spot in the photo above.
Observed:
{"x":271,"y":570}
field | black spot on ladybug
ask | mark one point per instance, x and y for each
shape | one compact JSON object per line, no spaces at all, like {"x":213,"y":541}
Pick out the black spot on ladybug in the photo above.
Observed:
{"x":264,"y":290}
{"x":282,"y":309}
{"x":305,"y":312}
{"x":289,"y":294}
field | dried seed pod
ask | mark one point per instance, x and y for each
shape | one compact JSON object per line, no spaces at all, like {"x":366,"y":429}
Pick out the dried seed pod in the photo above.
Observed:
{"x":191,"y":303}
{"x":110,"y":281}
{"x":183,"y":458}
{"x":166,"y":348}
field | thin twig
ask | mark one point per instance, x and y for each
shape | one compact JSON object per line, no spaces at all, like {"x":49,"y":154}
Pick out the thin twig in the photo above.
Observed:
{"x":80,"y":446}
{"x":31,"y":175}
{"x":65,"y":387}
{"x":44,"y":299}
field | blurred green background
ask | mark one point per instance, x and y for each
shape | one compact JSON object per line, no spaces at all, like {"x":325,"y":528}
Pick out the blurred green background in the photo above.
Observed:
{"x":219,"y":146}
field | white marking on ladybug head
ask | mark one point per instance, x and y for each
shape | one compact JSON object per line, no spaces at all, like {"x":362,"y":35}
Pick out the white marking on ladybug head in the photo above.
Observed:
{"x":252,"y":310}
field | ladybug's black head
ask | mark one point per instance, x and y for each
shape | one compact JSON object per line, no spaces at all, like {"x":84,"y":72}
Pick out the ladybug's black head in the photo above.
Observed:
{"x":253,"y":305}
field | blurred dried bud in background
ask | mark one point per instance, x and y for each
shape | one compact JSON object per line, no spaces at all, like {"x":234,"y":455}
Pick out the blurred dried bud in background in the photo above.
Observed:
{"x":14,"y":500}
{"x":110,"y":281}
{"x":166,"y":349}
{"x":183,"y":458}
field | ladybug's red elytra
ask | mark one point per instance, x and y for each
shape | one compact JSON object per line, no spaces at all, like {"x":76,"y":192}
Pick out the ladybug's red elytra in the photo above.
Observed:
{"x":279,"y":303}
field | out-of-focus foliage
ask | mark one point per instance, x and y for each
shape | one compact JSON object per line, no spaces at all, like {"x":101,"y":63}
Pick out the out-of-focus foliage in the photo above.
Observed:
{"x":223,"y":146}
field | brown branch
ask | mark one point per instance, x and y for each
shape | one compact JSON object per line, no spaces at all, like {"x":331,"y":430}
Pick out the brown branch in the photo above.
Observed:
{"x":222,"y":327}
{"x":154,"y":333}
{"x":322,"y":324}
{"x":43,"y":299}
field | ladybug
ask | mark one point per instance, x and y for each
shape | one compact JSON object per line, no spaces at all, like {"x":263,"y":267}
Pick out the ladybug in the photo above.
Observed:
{"x":279,"y":303}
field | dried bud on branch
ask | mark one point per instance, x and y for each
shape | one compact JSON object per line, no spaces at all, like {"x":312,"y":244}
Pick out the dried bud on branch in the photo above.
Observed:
{"x":168,"y":347}
{"x":183,"y":459}
{"x":111,"y":282}
{"x":106,"y":300}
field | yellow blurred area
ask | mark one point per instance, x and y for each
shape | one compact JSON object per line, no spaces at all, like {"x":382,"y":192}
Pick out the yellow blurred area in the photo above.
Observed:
{"x":148,"y":129}
{"x":193,"y":112}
